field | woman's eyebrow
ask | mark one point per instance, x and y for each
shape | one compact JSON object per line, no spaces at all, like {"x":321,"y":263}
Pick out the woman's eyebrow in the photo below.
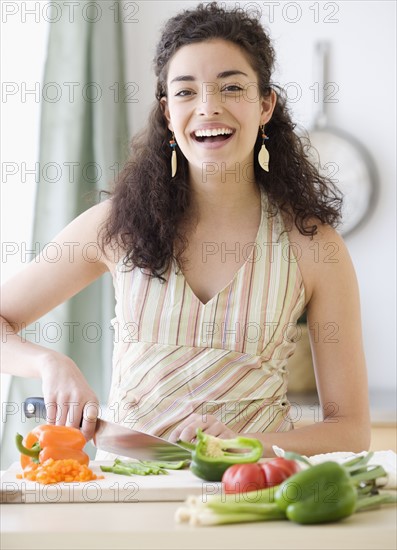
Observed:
{"x":223,"y":74}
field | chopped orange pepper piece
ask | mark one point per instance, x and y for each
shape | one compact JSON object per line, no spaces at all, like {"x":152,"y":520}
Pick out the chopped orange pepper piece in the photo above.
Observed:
{"x":56,"y":471}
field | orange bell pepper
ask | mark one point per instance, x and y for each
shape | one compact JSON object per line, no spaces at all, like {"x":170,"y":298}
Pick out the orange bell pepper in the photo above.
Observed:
{"x":48,"y":441}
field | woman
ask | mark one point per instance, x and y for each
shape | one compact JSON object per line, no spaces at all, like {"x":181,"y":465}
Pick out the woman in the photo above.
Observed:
{"x":215,"y":250}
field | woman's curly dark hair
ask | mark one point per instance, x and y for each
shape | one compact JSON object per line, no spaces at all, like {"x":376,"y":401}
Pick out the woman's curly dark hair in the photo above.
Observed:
{"x":148,"y":206}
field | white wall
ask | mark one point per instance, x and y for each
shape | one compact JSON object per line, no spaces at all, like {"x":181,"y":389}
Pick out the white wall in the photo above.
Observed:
{"x":363,"y":63}
{"x":24,"y":45}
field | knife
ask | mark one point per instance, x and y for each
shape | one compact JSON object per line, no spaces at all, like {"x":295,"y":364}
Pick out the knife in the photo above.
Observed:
{"x":118,"y":439}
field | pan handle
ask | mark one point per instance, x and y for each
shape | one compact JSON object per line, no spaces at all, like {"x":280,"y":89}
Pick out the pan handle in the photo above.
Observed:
{"x":321,"y":76}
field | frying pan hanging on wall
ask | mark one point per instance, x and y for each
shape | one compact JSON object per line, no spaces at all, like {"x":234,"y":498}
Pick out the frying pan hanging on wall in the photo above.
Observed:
{"x":342,"y":157}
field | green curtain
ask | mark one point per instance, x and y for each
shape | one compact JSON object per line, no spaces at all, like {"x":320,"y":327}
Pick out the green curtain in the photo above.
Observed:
{"x":83,"y":143}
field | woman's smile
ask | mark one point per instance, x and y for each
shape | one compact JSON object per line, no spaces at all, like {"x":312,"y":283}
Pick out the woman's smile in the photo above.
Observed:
{"x":213,"y":136}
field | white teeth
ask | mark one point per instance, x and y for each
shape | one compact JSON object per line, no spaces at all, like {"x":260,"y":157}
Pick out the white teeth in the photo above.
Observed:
{"x":212,"y":132}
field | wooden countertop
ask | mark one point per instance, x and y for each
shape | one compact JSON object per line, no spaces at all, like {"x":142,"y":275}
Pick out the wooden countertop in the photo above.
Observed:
{"x":151,"y":525}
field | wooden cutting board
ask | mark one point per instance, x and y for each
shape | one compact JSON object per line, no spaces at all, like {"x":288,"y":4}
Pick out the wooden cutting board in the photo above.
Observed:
{"x":175,"y":486}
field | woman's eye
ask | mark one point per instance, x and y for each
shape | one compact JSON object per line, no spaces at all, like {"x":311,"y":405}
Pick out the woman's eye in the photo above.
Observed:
{"x":183,"y":93}
{"x":232,"y":88}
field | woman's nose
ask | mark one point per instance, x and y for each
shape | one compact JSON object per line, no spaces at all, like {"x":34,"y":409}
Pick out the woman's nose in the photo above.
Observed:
{"x":210,"y":102}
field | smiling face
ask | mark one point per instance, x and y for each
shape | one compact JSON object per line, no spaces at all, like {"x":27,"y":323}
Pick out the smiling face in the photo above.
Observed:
{"x":214,"y":108}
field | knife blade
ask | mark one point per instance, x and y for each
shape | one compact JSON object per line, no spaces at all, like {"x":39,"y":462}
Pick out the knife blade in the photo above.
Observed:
{"x":118,"y":439}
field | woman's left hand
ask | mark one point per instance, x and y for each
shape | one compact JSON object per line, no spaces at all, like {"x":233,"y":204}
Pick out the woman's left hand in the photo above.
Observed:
{"x":186,"y":431}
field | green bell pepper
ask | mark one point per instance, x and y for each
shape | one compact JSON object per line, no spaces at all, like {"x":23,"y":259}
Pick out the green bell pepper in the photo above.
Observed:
{"x":320,"y":494}
{"x":211,"y":456}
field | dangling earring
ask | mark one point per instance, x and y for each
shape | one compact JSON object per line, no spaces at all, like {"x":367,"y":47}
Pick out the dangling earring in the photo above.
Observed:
{"x":263,"y":156}
{"x":173,"y":155}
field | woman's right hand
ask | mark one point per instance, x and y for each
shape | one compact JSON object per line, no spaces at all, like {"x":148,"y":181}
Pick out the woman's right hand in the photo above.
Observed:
{"x":68,"y":398}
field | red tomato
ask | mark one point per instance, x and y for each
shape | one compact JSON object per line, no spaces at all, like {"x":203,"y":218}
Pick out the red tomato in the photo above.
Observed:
{"x":290,"y":466}
{"x":279,"y":469}
{"x":241,"y":478}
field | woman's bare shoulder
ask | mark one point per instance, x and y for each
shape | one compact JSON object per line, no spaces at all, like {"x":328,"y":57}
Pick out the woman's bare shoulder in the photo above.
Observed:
{"x":94,"y":220}
{"x":325,"y":235}
{"x":318,"y":255}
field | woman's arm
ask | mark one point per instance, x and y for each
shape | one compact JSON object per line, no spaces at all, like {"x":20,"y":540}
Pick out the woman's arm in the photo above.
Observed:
{"x":334,"y":322}
{"x":37,"y":289}
{"x":333,"y":310}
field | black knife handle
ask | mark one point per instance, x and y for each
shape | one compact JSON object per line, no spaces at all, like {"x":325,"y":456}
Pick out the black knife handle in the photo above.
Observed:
{"x":34,"y":407}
